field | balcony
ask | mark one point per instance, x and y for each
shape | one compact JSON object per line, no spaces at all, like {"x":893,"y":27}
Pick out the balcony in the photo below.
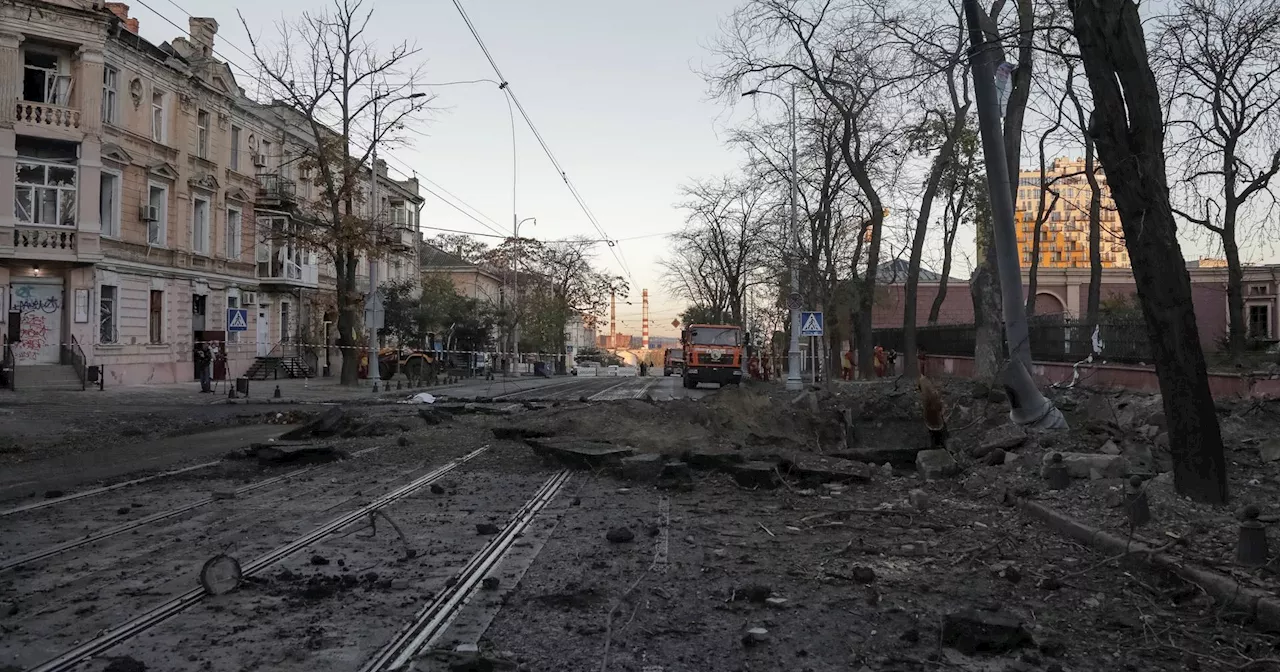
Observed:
{"x":288,"y":273}
{"x":49,"y":116}
{"x":275,"y":191}
{"x":41,"y":242}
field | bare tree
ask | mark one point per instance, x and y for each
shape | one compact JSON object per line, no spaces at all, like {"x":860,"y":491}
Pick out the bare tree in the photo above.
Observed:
{"x":937,"y":47}
{"x":726,"y":234}
{"x":1128,"y":127}
{"x":961,"y":180}
{"x":1220,"y":61}
{"x":324,"y":66}
{"x":984,"y":284}
{"x":838,"y":49}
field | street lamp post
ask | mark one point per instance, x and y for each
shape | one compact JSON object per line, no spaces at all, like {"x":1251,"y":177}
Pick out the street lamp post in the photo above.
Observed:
{"x":794,"y":381}
{"x":375,"y":206}
{"x":515,"y":287}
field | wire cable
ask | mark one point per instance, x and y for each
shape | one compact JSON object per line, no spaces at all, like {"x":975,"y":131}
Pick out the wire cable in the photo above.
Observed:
{"x":564,"y":176}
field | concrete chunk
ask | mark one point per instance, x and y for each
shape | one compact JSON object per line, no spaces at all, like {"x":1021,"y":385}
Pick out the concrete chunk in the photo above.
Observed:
{"x":642,"y":467}
{"x":581,"y":453}
{"x":935,"y":464}
{"x":821,"y":469}
{"x":1081,"y":465}
{"x":755,"y":475}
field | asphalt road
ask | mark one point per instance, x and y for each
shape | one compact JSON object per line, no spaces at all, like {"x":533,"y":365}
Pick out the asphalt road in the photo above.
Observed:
{"x":574,"y":388}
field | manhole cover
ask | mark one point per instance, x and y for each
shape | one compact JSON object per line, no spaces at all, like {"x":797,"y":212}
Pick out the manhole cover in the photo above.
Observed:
{"x":221,"y":574}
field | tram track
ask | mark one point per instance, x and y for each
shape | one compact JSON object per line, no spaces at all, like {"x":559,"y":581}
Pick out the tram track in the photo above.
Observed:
{"x":433,"y":620}
{"x":152,"y":617}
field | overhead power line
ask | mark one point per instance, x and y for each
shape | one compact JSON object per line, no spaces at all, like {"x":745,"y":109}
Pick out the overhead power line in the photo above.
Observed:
{"x":564,"y":175}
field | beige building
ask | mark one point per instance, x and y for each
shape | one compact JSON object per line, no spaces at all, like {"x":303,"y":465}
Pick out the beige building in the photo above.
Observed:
{"x":146,"y":189}
{"x":1064,"y":234}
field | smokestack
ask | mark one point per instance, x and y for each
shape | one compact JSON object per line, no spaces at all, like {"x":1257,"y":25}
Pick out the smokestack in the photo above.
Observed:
{"x":613,"y":319}
{"x":121,"y":11}
{"x":644,"y":317}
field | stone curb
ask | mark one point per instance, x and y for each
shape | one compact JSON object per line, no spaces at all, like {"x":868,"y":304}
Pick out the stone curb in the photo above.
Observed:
{"x":1262,"y":607}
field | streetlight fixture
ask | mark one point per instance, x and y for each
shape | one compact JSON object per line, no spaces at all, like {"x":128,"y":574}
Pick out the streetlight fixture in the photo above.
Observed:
{"x":794,"y":383}
{"x":375,"y":373}
{"x":515,"y":285}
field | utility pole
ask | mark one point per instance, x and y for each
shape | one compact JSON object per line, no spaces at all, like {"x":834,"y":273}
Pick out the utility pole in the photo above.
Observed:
{"x":515,"y":262}
{"x":613,"y":319}
{"x":793,"y":355}
{"x":1029,"y":406}
{"x":375,"y":371}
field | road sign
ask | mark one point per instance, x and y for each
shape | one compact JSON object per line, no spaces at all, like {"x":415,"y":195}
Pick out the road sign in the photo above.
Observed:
{"x":793,"y":301}
{"x":237,"y":319}
{"x":811,"y":323}
{"x":675,"y":324}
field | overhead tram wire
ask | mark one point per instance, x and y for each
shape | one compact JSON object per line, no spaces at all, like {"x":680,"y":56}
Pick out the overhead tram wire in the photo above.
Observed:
{"x":541,"y":141}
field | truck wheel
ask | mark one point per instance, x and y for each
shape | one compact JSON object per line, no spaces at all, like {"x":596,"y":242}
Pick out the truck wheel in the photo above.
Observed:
{"x":689,"y":383}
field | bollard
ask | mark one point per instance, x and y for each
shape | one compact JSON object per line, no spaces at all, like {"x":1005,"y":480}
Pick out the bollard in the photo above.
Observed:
{"x":231,"y":391}
{"x":277,"y":392}
{"x":1136,"y":503}
{"x":399,"y":385}
{"x":1251,"y":551}
{"x":1057,"y":475}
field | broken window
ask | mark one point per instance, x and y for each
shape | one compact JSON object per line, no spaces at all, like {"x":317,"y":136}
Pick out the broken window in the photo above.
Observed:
{"x":107,"y":314}
{"x":45,"y":193}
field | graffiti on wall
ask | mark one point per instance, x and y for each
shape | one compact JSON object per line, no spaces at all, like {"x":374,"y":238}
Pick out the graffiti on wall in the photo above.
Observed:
{"x":38,"y":331}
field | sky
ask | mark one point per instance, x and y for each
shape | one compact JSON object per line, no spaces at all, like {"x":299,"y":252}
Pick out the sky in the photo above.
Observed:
{"x":614,"y":92}
{"x":613,"y":88}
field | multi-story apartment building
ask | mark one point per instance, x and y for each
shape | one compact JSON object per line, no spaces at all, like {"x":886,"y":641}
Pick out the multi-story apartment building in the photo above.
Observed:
{"x":148,"y":193}
{"x":1064,"y":234}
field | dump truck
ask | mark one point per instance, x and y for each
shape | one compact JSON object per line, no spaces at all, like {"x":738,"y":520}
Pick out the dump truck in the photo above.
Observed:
{"x":673,"y":362}
{"x":713,"y":353}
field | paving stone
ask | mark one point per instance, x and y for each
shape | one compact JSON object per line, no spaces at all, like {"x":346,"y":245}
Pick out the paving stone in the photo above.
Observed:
{"x":898,"y":457}
{"x":1006,"y":437}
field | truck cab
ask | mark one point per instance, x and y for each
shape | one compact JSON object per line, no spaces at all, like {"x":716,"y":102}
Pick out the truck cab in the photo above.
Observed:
{"x":713,"y":353}
{"x":673,"y":362}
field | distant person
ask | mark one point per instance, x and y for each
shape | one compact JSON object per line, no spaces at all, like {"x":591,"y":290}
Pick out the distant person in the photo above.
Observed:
{"x":204,"y":364}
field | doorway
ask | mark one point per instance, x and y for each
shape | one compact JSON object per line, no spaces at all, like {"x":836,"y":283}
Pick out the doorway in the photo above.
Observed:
{"x":264,"y":331}
{"x":40,"y":328}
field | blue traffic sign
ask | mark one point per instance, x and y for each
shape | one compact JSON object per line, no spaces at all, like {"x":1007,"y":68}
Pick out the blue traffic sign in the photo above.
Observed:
{"x":811,"y":323}
{"x":237,"y":319}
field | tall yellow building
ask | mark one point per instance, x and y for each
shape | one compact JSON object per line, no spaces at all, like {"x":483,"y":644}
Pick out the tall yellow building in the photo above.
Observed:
{"x":1064,"y":235}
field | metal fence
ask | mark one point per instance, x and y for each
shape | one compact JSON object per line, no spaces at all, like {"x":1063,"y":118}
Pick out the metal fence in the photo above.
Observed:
{"x":1053,"y":339}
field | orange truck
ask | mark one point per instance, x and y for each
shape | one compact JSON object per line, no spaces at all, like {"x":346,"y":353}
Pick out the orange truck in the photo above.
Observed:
{"x":713,"y":353}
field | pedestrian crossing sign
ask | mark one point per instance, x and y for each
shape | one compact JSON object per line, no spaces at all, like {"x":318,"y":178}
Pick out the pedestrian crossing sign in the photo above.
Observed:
{"x":237,"y":319}
{"x":811,"y":323}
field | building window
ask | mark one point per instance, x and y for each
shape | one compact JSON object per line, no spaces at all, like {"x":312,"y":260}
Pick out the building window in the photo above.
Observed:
{"x":109,"y":203}
{"x":233,"y":302}
{"x":235,"y":233}
{"x":157,"y":215}
{"x":202,"y":134}
{"x":110,"y":93}
{"x":264,"y":160}
{"x":1260,"y":321}
{"x":42,"y":78}
{"x":235,"y":148}
{"x":200,"y":225}
{"x":107,"y":314}
{"x":1258,"y":290}
{"x":284,"y":322}
{"x":157,"y":115}
{"x":45,"y":193}
{"x":155,"y":317}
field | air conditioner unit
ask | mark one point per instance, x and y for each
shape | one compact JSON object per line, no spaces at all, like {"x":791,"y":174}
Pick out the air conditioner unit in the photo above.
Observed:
{"x":149,"y":213}
{"x":248,"y":298}
{"x":260,"y":160}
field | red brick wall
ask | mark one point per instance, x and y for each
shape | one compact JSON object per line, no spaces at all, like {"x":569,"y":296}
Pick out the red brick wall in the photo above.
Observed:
{"x":957,"y":307}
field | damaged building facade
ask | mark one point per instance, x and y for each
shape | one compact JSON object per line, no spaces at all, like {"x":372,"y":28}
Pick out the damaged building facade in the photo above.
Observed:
{"x":149,"y":193}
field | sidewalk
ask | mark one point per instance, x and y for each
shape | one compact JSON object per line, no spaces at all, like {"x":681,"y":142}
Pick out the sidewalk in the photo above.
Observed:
{"x":292,"y":390}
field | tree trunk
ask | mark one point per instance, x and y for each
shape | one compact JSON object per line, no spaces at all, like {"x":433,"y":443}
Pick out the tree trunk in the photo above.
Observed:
{"x":941,"y":296}
{"x":910,"y":367}
{"x":1237,"y":328}
{"x":1093,"y":305}
{"x":1129,"y":132}
{"x":349,"y":319}
{"x":984,"y":287}
{"x":866,"y":298}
